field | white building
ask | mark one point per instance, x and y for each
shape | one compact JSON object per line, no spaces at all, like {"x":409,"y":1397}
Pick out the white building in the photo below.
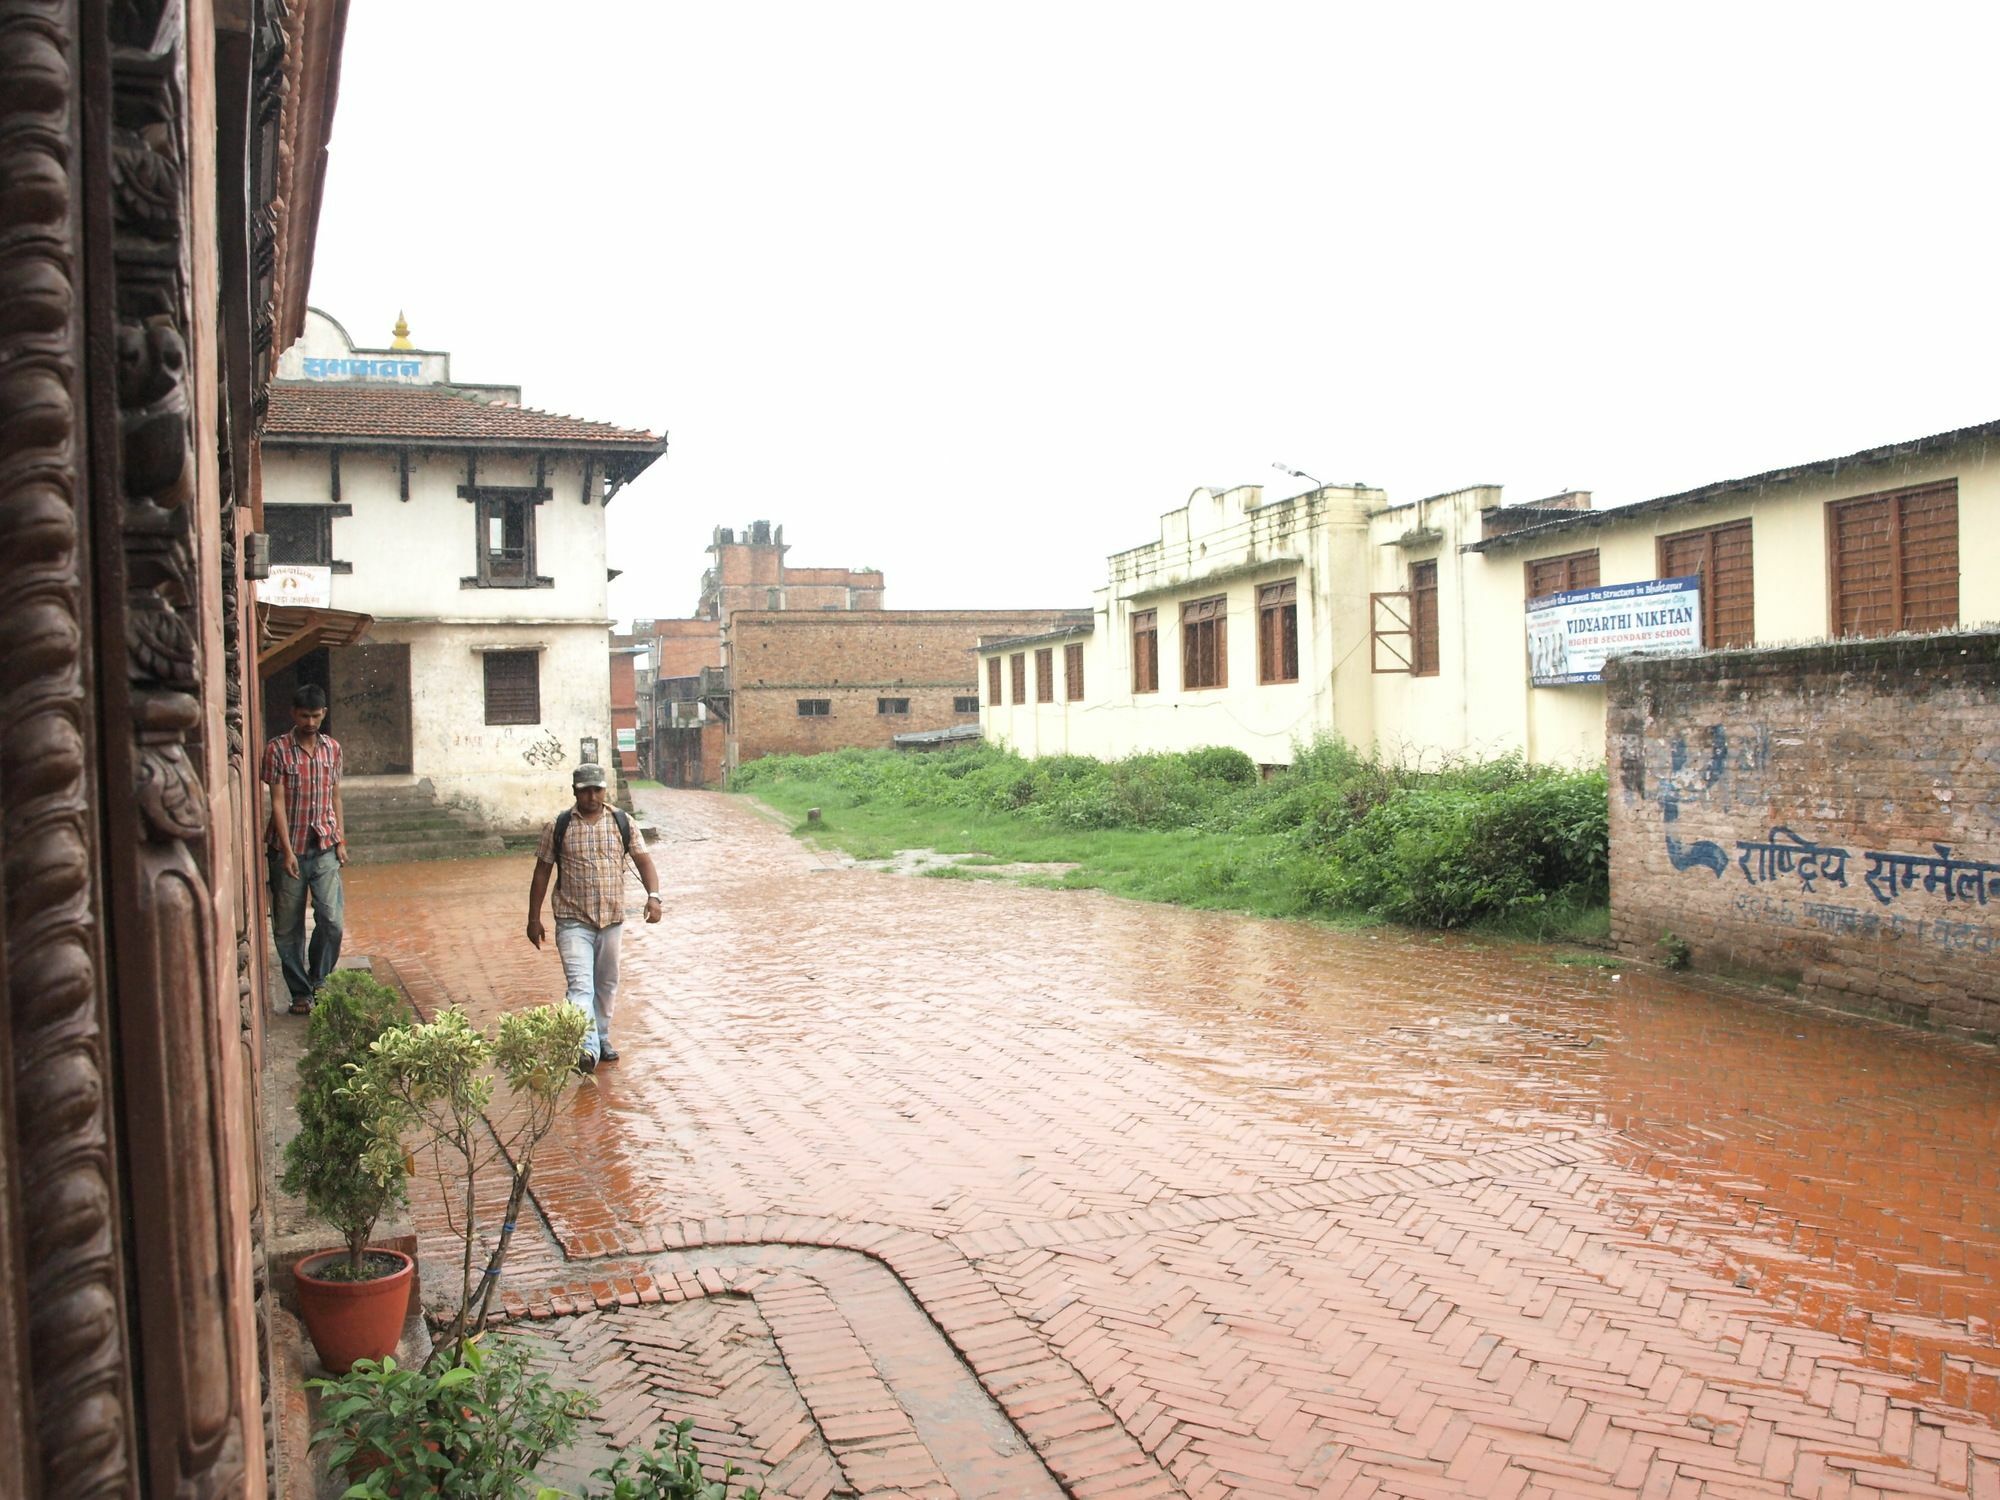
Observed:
{"x":472,"y":529}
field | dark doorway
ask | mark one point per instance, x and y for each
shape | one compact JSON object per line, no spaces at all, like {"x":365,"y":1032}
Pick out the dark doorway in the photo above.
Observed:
{"x":680,"y":756}
{"x":370,"y":691}
{"x":280,"y":685}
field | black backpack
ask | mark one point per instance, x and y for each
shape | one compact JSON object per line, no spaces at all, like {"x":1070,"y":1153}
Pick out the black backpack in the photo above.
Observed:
{"x":562,"y":828}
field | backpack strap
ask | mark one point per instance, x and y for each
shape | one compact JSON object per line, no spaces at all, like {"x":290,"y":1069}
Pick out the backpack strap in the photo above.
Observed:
{"x":624,"y":828}
{"x":555,"y":849}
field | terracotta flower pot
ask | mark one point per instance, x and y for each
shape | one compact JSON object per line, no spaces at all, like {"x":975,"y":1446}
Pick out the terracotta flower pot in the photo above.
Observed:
{"x":351,"y":1320}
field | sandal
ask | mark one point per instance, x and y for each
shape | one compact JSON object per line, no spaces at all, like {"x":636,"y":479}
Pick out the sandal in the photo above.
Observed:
{"x":302,"y":1007}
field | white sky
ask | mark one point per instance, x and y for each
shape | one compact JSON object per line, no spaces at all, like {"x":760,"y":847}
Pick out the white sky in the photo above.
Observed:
{"x":972,"y":293}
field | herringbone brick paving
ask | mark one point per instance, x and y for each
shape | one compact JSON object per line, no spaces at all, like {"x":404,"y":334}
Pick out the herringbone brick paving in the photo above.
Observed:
{"x":1217,"y":1206}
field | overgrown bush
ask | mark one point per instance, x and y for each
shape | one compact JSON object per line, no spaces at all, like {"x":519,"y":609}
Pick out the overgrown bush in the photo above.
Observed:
{"x":1439,"y":845}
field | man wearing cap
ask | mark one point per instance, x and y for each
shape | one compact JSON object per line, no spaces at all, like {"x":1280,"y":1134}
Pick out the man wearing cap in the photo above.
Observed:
{"x":585,"y":849}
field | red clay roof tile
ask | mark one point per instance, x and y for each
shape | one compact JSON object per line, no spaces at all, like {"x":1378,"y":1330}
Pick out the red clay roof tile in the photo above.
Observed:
{"x":429,"y":412}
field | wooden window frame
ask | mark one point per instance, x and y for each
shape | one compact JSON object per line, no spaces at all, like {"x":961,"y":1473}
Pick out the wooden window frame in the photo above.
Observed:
{"x":993,"y":682}
{"x":1424,"y":652}
{"x":323,"y":517}
{"x":1278,"y":631}
{"x":1045,"y":674}
{"x":1898,"y":539}
{"x":1145,"y":651}
{"x":1205,"y":643}
{"x":1073,"y":672}
{"x":491,"y":503}
{"x":1392,"y":605}
{"x":814,"y":708}
{"x":1017,"y":678}
{"x":1574,"y":569}
{"x":1711,"y":592}
{"x":509,"y":660}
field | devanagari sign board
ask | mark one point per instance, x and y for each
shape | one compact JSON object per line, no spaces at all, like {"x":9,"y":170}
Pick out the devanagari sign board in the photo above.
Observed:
{"x":294,"y":583}
{"x":1572,"y":634}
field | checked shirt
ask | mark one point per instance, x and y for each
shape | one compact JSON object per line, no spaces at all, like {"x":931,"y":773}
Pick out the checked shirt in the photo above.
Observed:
{"x":309,"y":780}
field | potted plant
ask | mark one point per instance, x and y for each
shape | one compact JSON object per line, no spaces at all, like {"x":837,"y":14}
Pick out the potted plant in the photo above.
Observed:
{"x":353,"y":1300}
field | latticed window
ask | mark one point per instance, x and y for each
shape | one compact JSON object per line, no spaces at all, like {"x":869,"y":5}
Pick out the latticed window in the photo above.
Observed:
{"x":1073,"y":671}
{"x":1894,"y":560}
{"x":1721,"y":558}
{"x":892,"y":705}
{"x":513,"y":687}
{"x":301,"y":535}
{"x":1424,"y":619}
{"x":1559,"y":575}
{"x":968,"y":704}
{"x":1205,"y":643}
{"x":1145,"y":651}
{"x":992,"y":682}
{"x":1278,"y":632}
{"x":1045,"y":675}
{"x":815,"y":708}
{"x":1017,"y":667}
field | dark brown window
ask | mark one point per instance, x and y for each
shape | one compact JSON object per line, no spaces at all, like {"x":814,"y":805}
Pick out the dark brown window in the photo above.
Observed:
{"x":507,"y":539}
{"x":892,"y":705}
{"x":513,"y":687}
{"x":969,"y":704}
{"x":993,"y":681}
{"x":1892,"y":561}
{"x":1145,"y":651}
{"x":1017,"y":668}
{"x":1278,"y":632}
{"x":1424,"y":619}
{"x":1205,"y":643}
{"x":1073,"y":671}
{"x":1558,"y":575}
{"x":1721,"y":558}
{"x":1045,"y":675}
{"x":815,"y":708}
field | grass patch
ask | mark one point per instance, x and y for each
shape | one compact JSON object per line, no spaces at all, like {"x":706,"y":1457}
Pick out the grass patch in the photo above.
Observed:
{"x":641,"y":784}
{"x":1589,"y":961}
{"x":1500,"y":846}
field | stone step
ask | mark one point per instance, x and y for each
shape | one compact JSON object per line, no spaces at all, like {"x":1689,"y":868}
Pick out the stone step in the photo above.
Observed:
{"x":403,"y":851}
{"x":413,"y":822}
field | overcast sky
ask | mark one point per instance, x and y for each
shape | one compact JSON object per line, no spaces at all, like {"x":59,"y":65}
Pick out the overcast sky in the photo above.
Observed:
{"x":973,"y":293}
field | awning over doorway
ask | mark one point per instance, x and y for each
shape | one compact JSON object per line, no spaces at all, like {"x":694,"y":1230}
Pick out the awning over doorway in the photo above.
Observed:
{"x":286,"y":632}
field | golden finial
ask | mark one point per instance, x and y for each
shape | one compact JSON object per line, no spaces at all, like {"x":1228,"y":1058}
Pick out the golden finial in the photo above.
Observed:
{"x":402,"y":332}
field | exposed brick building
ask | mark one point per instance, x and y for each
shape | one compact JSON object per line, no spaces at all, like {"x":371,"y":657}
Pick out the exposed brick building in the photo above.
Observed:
{"x":802,"y":681}
{"x":750,"y":573}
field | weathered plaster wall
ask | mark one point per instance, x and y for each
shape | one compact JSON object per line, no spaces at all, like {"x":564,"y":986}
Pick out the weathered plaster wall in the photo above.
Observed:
{"x":1828,"y":816}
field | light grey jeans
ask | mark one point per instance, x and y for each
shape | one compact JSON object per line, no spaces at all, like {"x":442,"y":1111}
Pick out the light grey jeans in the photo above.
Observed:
{"x":590,"y":968}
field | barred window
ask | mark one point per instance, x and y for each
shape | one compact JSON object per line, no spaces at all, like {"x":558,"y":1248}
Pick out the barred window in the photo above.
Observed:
{"x":513,"y":687}
{"x":1145,"y":651}
{"x":968,"y":704}
{"x":1205,"y":643}
{"x":892,"y":705}
{"x":815,"y":708}
{"x":1278,"y":632}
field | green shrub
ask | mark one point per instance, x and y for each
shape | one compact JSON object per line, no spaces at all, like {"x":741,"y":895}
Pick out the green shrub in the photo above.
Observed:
{"x":336,"y":1128}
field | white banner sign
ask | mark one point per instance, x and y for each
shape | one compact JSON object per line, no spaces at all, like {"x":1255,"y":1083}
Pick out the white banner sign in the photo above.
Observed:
{"x":1570,"y":635}
{"x":295,"y":583}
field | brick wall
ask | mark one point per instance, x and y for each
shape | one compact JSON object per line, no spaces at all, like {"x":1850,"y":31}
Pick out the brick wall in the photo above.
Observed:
{"x":684,"y":647}
{"x":778,"y":657}
{"x":624,"y":708}
{"x":1825,"y":816}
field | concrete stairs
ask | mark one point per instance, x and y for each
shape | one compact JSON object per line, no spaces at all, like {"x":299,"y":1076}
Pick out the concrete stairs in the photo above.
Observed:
{"x":390,"y":821}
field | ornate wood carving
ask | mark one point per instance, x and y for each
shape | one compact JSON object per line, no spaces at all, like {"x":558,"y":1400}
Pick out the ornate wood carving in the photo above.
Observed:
{"x":177,"y":1074}
{"x":80,"y":1402}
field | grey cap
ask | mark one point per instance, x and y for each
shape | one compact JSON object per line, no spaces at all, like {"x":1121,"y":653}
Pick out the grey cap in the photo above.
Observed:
{"x":590,"y":773}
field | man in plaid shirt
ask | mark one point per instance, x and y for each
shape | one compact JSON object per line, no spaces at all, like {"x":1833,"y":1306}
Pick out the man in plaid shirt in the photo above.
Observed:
{"x":307,"y":844}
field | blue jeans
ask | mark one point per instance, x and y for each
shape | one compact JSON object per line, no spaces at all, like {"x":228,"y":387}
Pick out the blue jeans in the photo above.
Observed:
{"x":590,"y":971}
{"x":319,"y":873}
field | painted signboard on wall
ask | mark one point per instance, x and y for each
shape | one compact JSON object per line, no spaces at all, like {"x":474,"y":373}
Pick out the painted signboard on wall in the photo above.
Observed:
{"x":1570,"y":635}
{"x":293,"y":583}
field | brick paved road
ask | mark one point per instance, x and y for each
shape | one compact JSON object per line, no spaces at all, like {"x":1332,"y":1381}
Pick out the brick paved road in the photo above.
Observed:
{"x":1215,"y":1206}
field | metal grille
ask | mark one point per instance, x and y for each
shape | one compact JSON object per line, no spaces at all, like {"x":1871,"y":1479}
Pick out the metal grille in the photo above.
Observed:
{"x":1017,"y":666}
{"x":513,"y":687}
{"x":992,"y":682}
{"x":1721,"y":557}
{"x":301,"y":535}
{"x":1205,"y":643}
{"x":1894,"y":561}
{"x":1073,"y":671}
{"x":1045,"y":674}
{"x":1423,"y":619}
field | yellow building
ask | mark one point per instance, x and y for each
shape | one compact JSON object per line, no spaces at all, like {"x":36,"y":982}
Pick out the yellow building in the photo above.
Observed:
{"x":1258,"y":624}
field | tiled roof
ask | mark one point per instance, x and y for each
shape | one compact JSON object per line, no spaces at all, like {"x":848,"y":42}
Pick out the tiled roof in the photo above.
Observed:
{"x":430,"y":413}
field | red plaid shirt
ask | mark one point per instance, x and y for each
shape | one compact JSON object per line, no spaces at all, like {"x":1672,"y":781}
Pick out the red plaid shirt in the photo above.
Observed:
{"x":309,"y":782}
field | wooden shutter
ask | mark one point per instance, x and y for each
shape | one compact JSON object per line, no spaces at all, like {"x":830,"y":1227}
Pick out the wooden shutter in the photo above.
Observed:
{"x":513,"y":687}
{"x":1423,"y":619}
{"x":1018,"y":665}
{"x":1278,"y":632}
{"x":1559,"y":575}
{"x":1045,"y":674}
{"x":1145,"y":651}
{"x":1721,"y":557}
{"x":993,"y":681}
{"x":1893,"y":561}
{"x":1073,"y":671}
{"x":1205,"y":643}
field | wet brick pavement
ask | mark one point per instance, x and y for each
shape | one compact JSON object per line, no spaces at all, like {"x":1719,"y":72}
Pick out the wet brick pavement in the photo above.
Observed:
{"x":913,"y":1186}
